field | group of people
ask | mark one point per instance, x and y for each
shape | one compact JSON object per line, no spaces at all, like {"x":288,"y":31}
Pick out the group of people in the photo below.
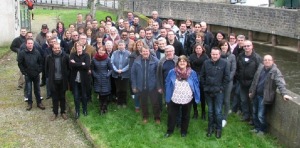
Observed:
{"x":183,"y":66}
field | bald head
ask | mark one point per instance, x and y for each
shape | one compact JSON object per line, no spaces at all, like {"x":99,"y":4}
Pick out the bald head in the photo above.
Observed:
{"x":268,"y":61}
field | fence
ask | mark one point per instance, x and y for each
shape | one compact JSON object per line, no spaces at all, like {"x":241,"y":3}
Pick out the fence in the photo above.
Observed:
{"x":79,"y":3}
{"x":25,"y":18}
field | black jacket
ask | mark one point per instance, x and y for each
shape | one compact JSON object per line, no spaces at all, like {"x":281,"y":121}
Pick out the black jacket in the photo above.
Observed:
{"x":246,"y":69}
{"x":30,"y":62}
{"x":197,"y":62}
{"x":16,"y":43}
{"x":214,"y":76}
{"x":178,"y":47}
{"x":50,"y":70}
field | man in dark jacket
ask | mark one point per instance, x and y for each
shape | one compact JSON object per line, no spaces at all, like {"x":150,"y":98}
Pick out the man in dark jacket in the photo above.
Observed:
{"x":30,"y":64}
{"x":247,"y":64}
{"x":175,"y":43}
{"x":57,"y":69}
{"x":263,"y":91}
{"x":143,"y":82}
{"x":215,"y":76}
{"x":15,"y":47}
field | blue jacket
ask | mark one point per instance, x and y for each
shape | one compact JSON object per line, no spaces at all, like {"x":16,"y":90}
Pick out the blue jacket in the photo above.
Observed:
{"x":137,"y":73}
{"x":192,"y":80}
{"x":115,"y":61}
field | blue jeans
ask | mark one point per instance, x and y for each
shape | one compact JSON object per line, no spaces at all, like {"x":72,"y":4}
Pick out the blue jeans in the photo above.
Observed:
{"x":227,"y":94}
{"x":245,"y":102}
{"x":259,"y":112}
{"x":214,"y":103}
{"x":36,"y":86}
{"x":48,"y":88}
{"x":236,"y":101}
{"x":79,"y":93}
{"x":136,"y":101}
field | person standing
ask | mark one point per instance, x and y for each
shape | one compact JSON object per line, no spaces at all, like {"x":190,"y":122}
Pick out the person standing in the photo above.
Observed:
{"x":57,"y":69}
{"x":263,"y":92}
{"x":214,"y":78}
{"x":30,"y":64}
{"x":80,"y":65}
{"x":143,"y":83}
{"x":30,"y":4}
{"x":182,"y":85}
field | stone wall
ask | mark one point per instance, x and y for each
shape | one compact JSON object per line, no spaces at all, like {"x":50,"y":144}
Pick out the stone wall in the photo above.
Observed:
{"x":282,"y":22}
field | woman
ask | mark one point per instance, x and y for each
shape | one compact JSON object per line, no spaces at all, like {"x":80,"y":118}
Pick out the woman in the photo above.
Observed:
{"x":60,"y":27}
{"x":66,"y":40}
{"x":101,"y":69}
{"x":71,"y":28}
{"x":99,"y":43}
{"x":55,"y":34}
{"x":113,"y":35}
{"x":189,"y":25}
{"x":218,"y":38}
{"x":150,"y":23}
{"x":88,"y":32}
{"x":80,"y":64}
{"x":134,"y":54}
{"x":181,"y":79}
{"x":232,"y":41}
{"x":230,"y":58}
{"x":121,"y":73}
{"x":197,"y":59}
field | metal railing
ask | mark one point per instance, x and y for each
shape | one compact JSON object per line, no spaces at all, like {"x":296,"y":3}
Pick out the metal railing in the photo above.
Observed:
{"x":25,"y":18}
{"x":80,"y":3}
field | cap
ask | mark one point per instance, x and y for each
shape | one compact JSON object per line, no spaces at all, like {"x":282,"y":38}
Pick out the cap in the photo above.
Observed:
{"x":44,"y":26}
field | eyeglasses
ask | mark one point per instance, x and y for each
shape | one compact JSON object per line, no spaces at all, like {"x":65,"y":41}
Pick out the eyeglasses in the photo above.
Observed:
{"x":75,"y":35}
{"x":247,"y":45}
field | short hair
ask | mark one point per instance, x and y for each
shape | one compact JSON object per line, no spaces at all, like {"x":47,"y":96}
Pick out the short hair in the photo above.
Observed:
{"x":241,"y":37}
{"x":108,"y":42}
{"x":56,"y":44}
{"x":121,"y":42}
{"x":183,"y":57}
{"x":162,"y":39}
{"x":29,"y":39}
{"x":170,"y":47}
{"x":216,"y":48}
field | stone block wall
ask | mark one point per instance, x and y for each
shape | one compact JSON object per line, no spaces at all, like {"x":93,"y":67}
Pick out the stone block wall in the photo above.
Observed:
{"x":282,"y":22}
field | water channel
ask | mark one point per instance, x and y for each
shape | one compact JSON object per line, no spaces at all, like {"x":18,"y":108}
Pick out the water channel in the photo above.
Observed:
{"x":288,"y":63}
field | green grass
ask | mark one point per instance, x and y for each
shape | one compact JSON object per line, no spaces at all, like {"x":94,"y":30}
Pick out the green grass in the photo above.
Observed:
{"x":4,"y":51}
{"x":124,"y":128}
{"x":69,"y":16}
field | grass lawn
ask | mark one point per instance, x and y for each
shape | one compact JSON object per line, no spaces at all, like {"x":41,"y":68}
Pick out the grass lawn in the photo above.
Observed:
{"x":124,"y":128}
{"x":4,"y":50}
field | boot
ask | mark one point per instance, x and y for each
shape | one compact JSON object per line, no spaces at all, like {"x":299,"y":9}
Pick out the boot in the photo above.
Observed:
{"x":210,"y":130}
{"x":203,"y":116}
{"x":195,"y":116}
{"x":218,"y":134}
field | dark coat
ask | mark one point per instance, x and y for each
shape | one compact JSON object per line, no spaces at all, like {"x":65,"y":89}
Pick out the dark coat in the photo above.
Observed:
{"x":178,"y":48}
{"x":246,"y":70}
{"x":215,"y":76}
{"x":137,"y":73}
{"x":197,"y":62}
{"x":186,"y":45}
{"x":83,"y":69}
{"x":50,"y":70}
{"x":16,"y":43}
{"x":30,"y":62}
{"x":101,"y":70}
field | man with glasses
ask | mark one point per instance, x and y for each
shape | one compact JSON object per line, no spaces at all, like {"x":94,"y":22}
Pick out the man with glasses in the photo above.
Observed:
{"x":128,"y":42}
{"x":175,"y":43}
{"x":74,"y":39}
{"x":247,"y":64}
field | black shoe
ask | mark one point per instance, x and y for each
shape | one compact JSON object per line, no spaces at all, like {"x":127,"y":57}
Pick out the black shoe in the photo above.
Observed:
{"x":203,"y":116}
{"x":42,"y":84}
{"x":209,"y":132}
{"x":218,"y":134}
{"x":183,"y":134}
{"x":85,"y":113}
{"x":41,"y":106}
{"x":195,"y":116}
{"x":77,"y":115}
{"x":29,"y":107}
{"x":167,"y":135}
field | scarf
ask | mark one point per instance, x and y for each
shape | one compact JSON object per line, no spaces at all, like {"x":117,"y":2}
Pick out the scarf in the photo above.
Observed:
{"x":182,"y":75}
{"x":100,"y":58}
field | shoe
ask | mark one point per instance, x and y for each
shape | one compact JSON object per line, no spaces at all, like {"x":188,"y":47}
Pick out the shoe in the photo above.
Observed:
{"x":183,"y":134}
{"x":42,"y":84}
{"x":209,"y":132}
{"x":260,"y":133}
{"x":218,"y":134}
{"x":195,"y":116}
{"x":203,"y":116}
{"x":254,"y":131}
{"x":48,"y":97}
{"x":224,"y":122}
{"x":64,"y":116}
{"x":145,"y":121}
{"x":41,"y":106}
{"x":54,"y":117}
{"x":29,"y":107}
{"x":25,"y":99}
{"x":167,"y":135}
{"x":85,"y":113}
{"x":77,"y":115}
{"x":157,"y":121}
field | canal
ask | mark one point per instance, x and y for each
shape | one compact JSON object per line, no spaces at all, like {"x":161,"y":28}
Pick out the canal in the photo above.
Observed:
{"x":288,"y":62}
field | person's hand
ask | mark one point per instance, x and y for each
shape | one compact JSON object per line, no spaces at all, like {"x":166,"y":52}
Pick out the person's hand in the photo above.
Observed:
{"x":134,"y":90}
{"x":72,"y":61}
{"x":119,"y":71}
{"x":160,"y":91}
{"x":89,"y":72}
{"x":250,"y":95}
{"x":83,"y":63}
{"x":287,"y":97}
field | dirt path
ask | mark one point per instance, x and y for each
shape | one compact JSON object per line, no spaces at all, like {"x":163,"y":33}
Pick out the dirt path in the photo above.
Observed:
{"x":21,"y":128}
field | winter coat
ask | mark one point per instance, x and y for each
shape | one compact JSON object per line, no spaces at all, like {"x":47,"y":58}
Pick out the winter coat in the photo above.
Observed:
{"x":159,"y":72}
{"x":230,"y":58}
{"x":16,"y":43}
{"x":115,"y":60}
{"x":30,"y":62}
{"x":197,"y":62}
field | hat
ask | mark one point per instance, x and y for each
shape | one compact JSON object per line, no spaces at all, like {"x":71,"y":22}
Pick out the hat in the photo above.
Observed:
{"x":44,"y":26}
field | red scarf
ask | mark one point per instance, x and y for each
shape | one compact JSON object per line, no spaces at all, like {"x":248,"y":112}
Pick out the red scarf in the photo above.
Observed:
{"x":100,"y":58}
{"x":182,"y":74}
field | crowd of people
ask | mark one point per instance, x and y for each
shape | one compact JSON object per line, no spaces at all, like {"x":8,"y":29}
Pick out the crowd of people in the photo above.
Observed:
{"x":160,"y":63}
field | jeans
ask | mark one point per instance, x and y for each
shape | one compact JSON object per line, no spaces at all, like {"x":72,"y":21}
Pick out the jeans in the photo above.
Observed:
{"x":36,"y":86}
{"x":227,"y":94}
{"x":79,"y":93}
{"x":259,"y":112}
{"x":136,"y":101}
{"x":236,"y":101}
{"x":214,"y":103}
{"x":146,"y":95}
{"x":48,"y":88}
{"x":245,"y":102}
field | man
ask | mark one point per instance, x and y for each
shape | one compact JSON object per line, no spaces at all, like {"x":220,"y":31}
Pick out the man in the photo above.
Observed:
{"x":175,"y":43}
{"x":121,"y":26}
{"x":57,"y":69}
{"x":130,"y":18}
{"x":15,"y":47}
{"x":163,"y":33}
{"x":155,"y":31}
{"x":129,"y":43}
{"x":156,"y":18}
{"x":44,"y":53}
{"x":215,"y":76}
{"x":143,"y":82}
{"x":79,"y":22}
{"x":263,"y":92}
{"x":41,"y":37}
{"x":148,"y":40}
{"x":70,"y":45}
{"x":208,"y":35}
{"x":183,"y":37}
{"x":30,"y":4}
{"x":162,"y":43}
{"x":247,"y":64}
{"x":136,"y":24}
{"x":240,"y":45}
{"x":30,"y":64}
{"x":172,"y":24}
